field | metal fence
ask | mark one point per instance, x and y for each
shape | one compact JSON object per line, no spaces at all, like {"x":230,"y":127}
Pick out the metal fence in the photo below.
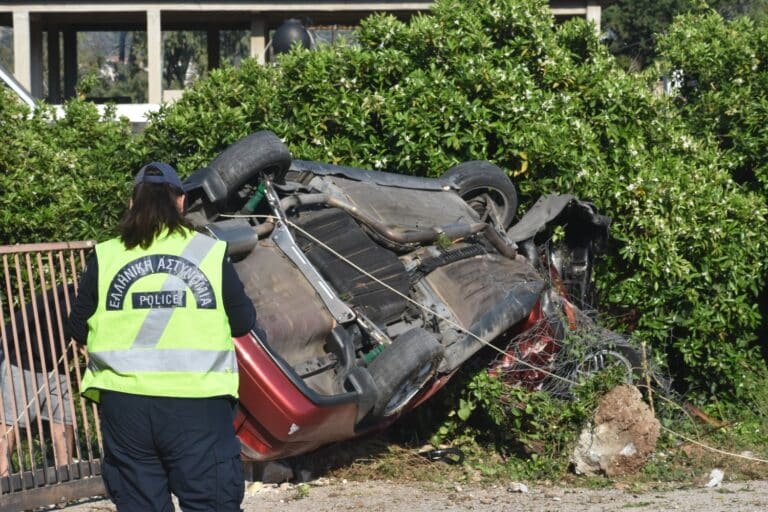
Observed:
{"x":50,"y":442}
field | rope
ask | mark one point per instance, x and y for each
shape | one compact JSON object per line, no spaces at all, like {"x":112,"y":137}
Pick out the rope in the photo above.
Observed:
{"x":473,"y":335}
{"x":712,"y":449}
{"x":405,"y":297}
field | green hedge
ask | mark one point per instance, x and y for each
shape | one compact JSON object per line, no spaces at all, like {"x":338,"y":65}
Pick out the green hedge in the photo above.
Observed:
{"x":61,"y":179}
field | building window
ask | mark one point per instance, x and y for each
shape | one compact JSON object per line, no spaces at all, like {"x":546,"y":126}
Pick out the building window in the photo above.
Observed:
{"x":330,"y":34}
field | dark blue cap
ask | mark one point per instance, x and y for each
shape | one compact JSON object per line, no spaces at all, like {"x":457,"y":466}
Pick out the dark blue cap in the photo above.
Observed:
{"x":165,"y":174}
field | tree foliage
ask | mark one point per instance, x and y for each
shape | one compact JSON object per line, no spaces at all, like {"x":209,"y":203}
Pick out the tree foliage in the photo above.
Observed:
{"x":724,"y":86}
{"x":112,"y":66}
{"x":636,"y":25}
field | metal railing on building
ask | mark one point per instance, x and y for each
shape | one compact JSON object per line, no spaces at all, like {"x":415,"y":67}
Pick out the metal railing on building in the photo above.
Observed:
{"x":50,"y":442}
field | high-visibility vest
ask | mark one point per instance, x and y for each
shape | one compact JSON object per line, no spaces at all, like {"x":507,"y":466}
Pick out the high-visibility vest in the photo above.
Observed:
{"x":160,"y":328}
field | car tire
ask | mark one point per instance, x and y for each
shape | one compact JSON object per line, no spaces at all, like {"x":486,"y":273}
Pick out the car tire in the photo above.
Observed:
{"x":480,"y":181}
{"x":602,"y":358}
{"x":615,"y":350}
{"x":261,"y":152}
{"x":403,"y":369}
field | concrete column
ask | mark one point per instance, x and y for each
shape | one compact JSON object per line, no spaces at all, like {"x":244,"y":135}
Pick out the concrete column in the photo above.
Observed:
{"x":594,"y":13}
{"x":258,"y":38}
{"x":214,"y":49}
{"x":54,"y":65}
{"x":22,"y":51}
{"x":36,"y":59}
{"x":154,"y":56}
{"x":69,"y":35}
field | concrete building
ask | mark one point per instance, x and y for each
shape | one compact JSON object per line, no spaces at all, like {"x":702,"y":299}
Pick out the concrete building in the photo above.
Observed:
{"x":61,"y":20}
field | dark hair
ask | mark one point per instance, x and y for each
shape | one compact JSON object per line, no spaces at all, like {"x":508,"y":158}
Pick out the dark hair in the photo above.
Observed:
{"x":153,"y":209}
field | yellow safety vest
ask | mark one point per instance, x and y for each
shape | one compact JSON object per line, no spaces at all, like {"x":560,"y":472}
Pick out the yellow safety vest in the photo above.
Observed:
{"x":160,"y":328}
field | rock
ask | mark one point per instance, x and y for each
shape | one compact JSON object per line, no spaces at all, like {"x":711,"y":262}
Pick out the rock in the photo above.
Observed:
{"x":304,"y":475}
{"x":621,"y":438}
{"x":517,"y":487}
{"x":254,"y":488}
{"x":273,"y":472}
{"x":715,"y":478}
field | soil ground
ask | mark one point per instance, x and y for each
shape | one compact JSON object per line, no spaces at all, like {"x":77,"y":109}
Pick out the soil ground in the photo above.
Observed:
{"x":375,"y":474}
{"x":326,"y":495}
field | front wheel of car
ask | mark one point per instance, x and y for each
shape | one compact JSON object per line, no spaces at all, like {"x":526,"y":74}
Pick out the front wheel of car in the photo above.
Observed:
{"x":403,"y":369}
{"x":260,"y":153}
{"x":486,"y":188}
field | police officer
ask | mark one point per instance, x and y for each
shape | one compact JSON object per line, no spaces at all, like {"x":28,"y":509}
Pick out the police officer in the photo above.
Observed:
{"x":158,"y":307}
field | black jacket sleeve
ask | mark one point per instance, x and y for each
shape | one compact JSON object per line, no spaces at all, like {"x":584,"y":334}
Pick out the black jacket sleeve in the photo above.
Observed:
{"x":237,"y":305}
{"x":85,"y":302}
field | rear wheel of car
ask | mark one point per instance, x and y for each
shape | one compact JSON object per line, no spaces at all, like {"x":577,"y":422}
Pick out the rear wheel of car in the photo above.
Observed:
{"x":604,"y":358}
{"x":611,"y":353}
{"x":618,"y":352}
{"x":486,"y":188}
{"x":260,"y":153}
{"x":403,"y":369}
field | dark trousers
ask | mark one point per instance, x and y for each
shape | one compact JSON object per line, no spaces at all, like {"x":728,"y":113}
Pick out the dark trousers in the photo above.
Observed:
{"x":154,"y":446}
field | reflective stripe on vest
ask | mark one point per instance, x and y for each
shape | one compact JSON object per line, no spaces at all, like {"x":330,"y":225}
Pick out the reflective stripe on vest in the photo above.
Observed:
{"x":163,"y":360}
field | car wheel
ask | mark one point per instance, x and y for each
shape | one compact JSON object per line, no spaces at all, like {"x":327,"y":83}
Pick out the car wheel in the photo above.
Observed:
{"x":403,"y":369}
{"x":612,"y":353}
{"x":261,"y":152}
{"x":630,"y":359}
{"x":606,"y":358}
{"x":486,"y":188}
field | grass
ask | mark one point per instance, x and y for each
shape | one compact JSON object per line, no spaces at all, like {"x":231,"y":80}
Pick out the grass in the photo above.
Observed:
{"x":302,"y":491}
{"x":534,"y":444}
{"x":681,"y":467}
{"x":675,"y":464}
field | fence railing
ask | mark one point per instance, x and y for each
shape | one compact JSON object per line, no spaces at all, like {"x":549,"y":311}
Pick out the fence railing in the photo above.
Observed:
{"x":50,"y":442}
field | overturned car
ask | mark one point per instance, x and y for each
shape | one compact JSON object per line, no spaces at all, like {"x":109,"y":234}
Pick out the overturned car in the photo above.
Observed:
{"x":373,"y":288}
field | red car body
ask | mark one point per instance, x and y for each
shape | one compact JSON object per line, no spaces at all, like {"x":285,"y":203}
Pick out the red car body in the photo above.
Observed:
{"x":284,"y":421}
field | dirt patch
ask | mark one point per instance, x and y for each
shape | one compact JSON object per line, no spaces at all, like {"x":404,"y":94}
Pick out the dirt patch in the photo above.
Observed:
{"x":386,"y":496}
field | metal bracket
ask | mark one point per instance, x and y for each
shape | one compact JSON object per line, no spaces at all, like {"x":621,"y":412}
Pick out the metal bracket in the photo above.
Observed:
{"x":285,"y":241}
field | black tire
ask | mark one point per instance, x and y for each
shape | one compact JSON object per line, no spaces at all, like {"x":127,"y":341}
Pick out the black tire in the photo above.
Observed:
{"x":615,"y":350}
{"x":605,"y":357}
{"x":480,"y":182}
{"x":258,"y":153}
{"x":403,"y":369}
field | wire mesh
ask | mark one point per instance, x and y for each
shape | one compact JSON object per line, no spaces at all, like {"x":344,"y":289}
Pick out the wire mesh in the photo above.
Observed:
{"x":562,"y":346}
